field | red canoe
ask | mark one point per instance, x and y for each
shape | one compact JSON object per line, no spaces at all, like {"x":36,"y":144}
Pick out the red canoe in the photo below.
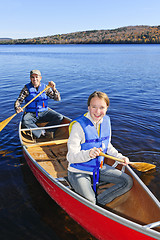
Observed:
{"x":135,"y":215}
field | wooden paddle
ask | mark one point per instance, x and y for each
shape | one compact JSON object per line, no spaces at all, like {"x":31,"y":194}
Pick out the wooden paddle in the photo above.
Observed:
{"x":6,"y":121}
{"x":140,"y":166}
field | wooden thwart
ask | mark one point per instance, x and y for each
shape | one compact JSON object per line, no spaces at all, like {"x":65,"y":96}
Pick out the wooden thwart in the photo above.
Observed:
{"x":49,"y":143}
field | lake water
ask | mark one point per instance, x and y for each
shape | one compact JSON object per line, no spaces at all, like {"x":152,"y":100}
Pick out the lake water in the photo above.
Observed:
{"x":129,"y":74}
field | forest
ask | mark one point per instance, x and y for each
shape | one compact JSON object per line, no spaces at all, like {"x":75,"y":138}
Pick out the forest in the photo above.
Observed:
{"x":124,"y":35}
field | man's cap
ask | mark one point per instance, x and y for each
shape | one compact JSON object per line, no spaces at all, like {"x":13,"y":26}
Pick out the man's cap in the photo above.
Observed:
{"x":35,"y":72}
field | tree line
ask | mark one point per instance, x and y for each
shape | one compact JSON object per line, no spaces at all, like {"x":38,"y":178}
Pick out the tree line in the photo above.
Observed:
{"x":131,"y":34}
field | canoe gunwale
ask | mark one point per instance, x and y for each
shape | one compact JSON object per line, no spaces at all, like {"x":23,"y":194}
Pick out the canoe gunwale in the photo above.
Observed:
{"x":49,"y":127}
{"x":144,"y":186}
{"x":119,"y":219}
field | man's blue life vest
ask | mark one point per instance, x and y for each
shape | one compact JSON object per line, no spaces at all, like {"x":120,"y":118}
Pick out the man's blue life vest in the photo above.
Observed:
{"x":40,"y":104}
{"x":92,"y":139}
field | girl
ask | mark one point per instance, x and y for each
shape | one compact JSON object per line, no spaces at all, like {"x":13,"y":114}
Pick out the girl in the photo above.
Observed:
{"x":89,"y":135}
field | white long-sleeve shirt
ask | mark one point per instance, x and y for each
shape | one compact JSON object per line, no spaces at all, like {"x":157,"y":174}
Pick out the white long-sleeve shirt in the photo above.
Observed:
{"x":76,"y":138}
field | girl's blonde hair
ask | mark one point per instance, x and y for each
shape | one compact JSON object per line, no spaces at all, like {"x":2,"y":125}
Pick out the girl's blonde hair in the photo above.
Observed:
{"x":100,"y":95}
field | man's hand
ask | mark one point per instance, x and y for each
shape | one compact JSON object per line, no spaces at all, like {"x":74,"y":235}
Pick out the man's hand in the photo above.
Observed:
{"x":18,"y":110}
{"x":52,"y":85}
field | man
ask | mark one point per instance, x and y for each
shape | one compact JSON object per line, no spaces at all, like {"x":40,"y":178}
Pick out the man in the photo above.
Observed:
{"x":37,"y":111}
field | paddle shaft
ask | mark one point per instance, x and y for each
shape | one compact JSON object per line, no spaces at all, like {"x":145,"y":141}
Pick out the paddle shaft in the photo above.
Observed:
{"x":111,"y":157}
{"x":36,"y":96}
{"x":6,"y":121}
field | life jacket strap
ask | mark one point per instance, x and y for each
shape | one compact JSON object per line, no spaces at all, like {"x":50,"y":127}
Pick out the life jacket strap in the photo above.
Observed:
{"x":96,"y":176}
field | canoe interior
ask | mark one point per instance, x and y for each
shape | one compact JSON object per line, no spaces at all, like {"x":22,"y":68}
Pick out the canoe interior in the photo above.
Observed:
{"x":136,"y":205}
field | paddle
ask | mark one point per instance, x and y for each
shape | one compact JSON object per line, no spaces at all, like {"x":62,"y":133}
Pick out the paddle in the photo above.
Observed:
{"x":140,"y":166}
{"x":6,"y":121}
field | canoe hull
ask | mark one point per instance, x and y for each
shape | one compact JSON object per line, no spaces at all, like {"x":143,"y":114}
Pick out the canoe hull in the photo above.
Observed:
{"x":99,"y":222}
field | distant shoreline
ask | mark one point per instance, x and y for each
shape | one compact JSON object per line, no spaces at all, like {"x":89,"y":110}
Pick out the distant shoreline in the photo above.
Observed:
{"x":125,"y":35}
{"x":117,"y":43}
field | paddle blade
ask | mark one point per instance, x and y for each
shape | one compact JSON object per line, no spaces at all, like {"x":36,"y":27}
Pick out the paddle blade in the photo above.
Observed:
{"x":142,"y":167}
{"x":6,"y":121}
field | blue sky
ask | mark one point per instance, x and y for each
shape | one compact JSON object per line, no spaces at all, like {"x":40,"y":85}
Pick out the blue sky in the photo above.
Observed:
{"x":36,"y":18}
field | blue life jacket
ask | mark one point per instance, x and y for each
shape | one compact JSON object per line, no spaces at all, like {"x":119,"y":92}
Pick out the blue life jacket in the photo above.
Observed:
{"x":93,"y":140}
{"x":40,"y":104}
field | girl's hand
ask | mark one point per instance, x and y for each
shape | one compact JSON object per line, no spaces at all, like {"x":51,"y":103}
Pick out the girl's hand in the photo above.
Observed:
{"x":94,"y":152}
{"x":126,"y":159}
